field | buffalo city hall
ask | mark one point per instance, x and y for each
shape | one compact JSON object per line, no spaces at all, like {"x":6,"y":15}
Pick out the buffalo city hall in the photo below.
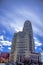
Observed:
{"x":23,"y":45}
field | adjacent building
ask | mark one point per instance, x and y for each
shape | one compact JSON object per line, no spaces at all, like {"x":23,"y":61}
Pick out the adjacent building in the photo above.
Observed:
{"x":4,"y":57}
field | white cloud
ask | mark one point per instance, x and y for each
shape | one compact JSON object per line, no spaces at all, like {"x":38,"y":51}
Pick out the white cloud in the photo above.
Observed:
{"x":9,"y":48}
{"x":5,"y":43}
{"x":35,"y":47}
{"x":17,"y":27}
{"x":1,"y":37}
{"x":37,"y":42}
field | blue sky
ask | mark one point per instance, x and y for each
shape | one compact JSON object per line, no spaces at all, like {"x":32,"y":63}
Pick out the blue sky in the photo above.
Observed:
{"x":13,"y":14}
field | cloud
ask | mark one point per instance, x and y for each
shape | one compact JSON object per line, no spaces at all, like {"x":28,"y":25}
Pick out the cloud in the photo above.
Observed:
{"x":35,"y":47}
{"x":17,"y":27}
{"x":5,"y":43}
{"x":9,"y":48}
{"x":37,"y":42}
{"x":38,"y":45}
{"x":1,"y":37}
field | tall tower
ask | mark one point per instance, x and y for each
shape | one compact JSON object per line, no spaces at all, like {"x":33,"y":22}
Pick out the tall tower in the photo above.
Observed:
{"x":27,"y":29}
{"x":23,"y":43}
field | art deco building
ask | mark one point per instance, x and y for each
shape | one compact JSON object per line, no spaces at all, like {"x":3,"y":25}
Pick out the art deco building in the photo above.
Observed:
{"x":23,"y":43}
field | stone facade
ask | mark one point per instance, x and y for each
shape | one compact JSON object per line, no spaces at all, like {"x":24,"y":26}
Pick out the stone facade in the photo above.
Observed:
{"x":23,"y":43}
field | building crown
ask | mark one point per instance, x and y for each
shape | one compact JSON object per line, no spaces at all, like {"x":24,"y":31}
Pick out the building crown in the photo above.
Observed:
{"x":27,"y":26}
